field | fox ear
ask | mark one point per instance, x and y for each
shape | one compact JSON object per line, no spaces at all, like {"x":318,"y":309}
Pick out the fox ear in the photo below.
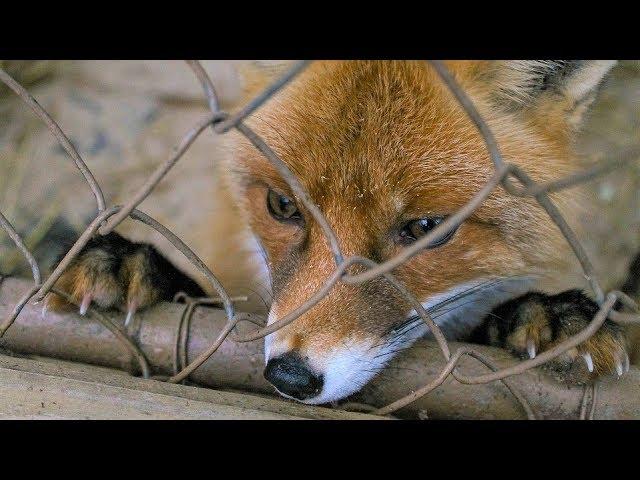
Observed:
{"x":543,"y":84}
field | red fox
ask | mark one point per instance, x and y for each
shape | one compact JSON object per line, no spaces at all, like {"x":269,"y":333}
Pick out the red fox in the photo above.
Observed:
{"x":387,"y":154}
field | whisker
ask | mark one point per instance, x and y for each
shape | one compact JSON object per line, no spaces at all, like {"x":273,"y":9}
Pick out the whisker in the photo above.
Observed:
{"x":469,"y":291}
{"x":458,"y":296}
{"x":402,"y":349}
{"x":496,"y":316}
{"x":417,"y":321}
{"x":435,"y":309}
{"x":362,"y":360}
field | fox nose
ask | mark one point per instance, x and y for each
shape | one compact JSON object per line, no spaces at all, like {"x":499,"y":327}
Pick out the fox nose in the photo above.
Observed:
{"x":292,"y":376}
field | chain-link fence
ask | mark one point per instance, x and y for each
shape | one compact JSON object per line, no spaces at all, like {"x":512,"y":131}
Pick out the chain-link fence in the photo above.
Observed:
{"x":512,"y":178}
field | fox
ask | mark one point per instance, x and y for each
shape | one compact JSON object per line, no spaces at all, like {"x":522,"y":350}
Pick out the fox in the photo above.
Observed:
{"x":387,"y":154}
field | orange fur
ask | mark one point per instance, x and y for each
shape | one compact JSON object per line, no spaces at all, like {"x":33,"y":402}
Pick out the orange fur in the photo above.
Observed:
{"x":380,"y":143}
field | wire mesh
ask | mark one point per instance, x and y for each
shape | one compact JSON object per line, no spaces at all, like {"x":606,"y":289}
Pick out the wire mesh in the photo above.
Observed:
{"x":511,"y":177}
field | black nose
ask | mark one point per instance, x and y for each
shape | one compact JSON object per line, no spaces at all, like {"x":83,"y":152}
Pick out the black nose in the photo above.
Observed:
{"x":291,"y":375}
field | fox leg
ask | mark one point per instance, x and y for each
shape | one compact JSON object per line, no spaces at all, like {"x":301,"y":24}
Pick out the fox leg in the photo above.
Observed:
{"x":113,"y":272}
{"x":535,"y":322}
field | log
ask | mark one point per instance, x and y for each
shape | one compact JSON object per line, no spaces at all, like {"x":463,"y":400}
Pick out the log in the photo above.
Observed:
{"x":44,"y":388}
{"x":239,"y":366}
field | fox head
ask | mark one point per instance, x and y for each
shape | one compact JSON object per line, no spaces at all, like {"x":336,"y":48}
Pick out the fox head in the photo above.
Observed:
{"x":387,"y":154}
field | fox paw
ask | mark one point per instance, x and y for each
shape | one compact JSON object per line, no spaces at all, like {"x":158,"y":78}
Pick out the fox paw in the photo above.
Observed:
{"x":113,"y":272}
{"x":536,"y":322}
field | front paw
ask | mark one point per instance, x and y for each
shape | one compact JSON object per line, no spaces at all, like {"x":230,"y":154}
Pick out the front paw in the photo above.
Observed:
{"x":536,"y":322}
{"x":110,"y":272}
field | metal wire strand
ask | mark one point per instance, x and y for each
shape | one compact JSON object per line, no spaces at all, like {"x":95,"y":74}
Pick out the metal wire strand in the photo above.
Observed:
{"x":13,"y":235}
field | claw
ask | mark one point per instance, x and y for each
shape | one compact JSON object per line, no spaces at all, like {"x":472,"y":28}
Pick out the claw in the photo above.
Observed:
{"x":588,"y":360}
{"x":130,"y":313}
{"x":44,"y":309}
{"x":86,"y":301}
{"x":531,"y":348}
{"x":622,"y":363}
{"x":626,"y":362}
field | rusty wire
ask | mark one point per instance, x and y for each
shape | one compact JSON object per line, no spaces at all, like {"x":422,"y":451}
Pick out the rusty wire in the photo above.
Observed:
{"x":180,"y":350}
{"x":512,"y":178}
{"x":588,"y":409}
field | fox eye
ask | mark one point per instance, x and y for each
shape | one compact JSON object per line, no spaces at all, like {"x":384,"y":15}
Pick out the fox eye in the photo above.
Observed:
{"x":416,"y":229}
{"x":281,"y":207}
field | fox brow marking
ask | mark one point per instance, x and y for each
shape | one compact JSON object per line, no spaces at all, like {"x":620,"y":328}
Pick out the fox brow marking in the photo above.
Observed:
{"x":294,"y":154}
